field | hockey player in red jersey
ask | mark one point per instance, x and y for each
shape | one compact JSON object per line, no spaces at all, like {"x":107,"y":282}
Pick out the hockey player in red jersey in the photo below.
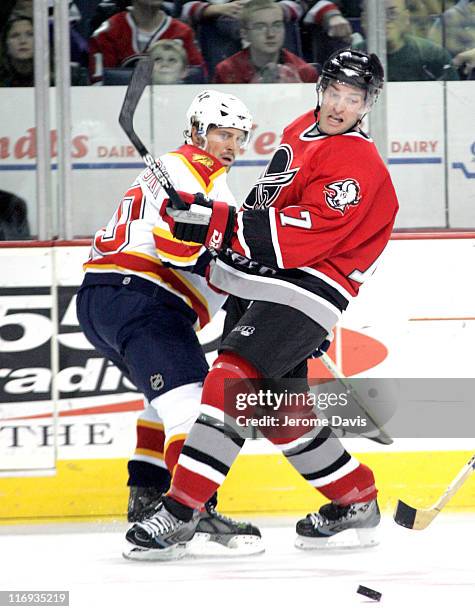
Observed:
{"x":145,"y":294}
{"x":118,"y":41}
{"x":310,"y":231}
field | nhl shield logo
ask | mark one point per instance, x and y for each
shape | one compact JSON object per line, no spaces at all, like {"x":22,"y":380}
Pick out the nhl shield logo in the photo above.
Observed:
{"x":156,"y":382}
{"x":340,"y":195}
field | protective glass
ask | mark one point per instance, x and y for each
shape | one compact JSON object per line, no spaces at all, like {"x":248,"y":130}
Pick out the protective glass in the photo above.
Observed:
{"x":350,"y":100}
{"x":223,"y":136}
{"x":269,"y":28}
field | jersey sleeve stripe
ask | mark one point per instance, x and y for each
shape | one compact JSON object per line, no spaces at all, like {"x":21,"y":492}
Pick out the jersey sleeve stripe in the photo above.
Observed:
{"x":257,"y":234}
{"x":167,"y":256}
{"x":240,"y":235}
{"x":275,"y":238}
{"x":166,"y":237}
{"x":174,"y":250}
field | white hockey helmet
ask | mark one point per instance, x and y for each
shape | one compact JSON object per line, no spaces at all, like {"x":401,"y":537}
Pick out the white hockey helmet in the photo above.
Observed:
{"x":214,"y":108}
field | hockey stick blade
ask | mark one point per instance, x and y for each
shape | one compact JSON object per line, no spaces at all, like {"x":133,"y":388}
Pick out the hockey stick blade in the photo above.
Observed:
{"x":382,"y":437}
{"x":141,"y":77}
{"x":411,"y":518}
{"x":420,"y":518}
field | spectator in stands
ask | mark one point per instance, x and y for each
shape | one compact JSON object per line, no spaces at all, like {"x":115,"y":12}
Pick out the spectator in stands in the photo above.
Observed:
{"x":197,"y":11}
{"x":455,"y":28}
{"x":465,"y":62}
{"x":170,"y":62}
{"x":77,"y":42}
{"x":13,"y":217}
{"x":264,"y":59}
{"x":219,"y":29}
{"x":329,"y":17}
{"x":120,"y":40}
{"x":17,"y":52}
{"x":105,"y":9}
{"x":411,"y":58}
{"x":328,"y":27}
{"x":422,"y":14}
{"x":17,"y":55}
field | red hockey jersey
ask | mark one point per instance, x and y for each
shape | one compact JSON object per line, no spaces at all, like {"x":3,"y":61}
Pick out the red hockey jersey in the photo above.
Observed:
{"x":117,"y":40}
{"x":313,"y":226}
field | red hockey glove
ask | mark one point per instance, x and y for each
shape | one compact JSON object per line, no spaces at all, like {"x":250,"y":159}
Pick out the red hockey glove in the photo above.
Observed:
{"x":204,"y":221}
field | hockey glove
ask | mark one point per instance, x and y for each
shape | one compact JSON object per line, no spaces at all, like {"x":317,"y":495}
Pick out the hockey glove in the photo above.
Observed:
{"x":204,"y":221}
{"x":323,"y":348}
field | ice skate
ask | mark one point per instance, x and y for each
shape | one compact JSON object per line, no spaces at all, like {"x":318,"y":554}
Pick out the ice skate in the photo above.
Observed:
{"x":143,"y":502}
{"x":162,"y":537}
{"x":220,"y":535}
{"x":352,"y":526}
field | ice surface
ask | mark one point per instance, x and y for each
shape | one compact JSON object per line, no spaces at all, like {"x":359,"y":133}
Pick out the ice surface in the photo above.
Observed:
{"x":428,"y":570}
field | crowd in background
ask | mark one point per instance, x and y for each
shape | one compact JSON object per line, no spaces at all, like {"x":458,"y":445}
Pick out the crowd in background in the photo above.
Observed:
{"x":231,"y":41}
{"x":240,"y":41}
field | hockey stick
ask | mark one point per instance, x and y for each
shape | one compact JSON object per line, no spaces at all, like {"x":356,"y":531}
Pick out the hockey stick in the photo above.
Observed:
{"x":420,"y":518}
{"x":382,"y":437}
{"x":141,"y":77}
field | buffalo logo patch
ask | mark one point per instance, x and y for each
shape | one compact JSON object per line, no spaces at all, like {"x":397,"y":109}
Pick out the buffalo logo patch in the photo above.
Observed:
{"x":204,"y":160}
{"x":340,"y":195}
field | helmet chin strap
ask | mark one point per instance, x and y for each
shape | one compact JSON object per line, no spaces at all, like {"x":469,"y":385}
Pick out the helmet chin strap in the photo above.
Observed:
{"x":204,"y":143}
{"x":202,"y":140}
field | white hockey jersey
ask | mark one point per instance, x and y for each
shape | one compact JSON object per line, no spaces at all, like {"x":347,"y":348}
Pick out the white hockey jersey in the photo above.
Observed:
{"x":138,"y":241}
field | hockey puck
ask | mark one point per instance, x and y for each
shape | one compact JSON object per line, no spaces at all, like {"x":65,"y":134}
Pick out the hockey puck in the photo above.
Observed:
{"x":362,"y":590}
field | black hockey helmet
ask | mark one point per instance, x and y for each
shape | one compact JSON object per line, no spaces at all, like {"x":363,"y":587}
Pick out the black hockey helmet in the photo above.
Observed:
{"x":355,"y":68}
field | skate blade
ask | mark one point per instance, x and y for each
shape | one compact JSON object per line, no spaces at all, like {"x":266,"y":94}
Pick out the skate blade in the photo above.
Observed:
{"x":203,"y":545}
{"x":172,"y":553}
{"x":345,"y":540}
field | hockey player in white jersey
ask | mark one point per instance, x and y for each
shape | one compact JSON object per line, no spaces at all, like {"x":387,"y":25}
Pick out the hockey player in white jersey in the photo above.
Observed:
{"x":145,"y":294}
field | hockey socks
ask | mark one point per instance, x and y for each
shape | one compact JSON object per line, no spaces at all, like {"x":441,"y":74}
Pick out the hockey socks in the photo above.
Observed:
{"x":212,"y":446}
{"x":357,"y":486}
{"x":147,"y":467}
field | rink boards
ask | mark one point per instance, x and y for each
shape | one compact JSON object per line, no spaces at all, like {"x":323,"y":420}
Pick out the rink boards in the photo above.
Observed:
{"x":65,"y":437}
{"x":430,"y":151}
